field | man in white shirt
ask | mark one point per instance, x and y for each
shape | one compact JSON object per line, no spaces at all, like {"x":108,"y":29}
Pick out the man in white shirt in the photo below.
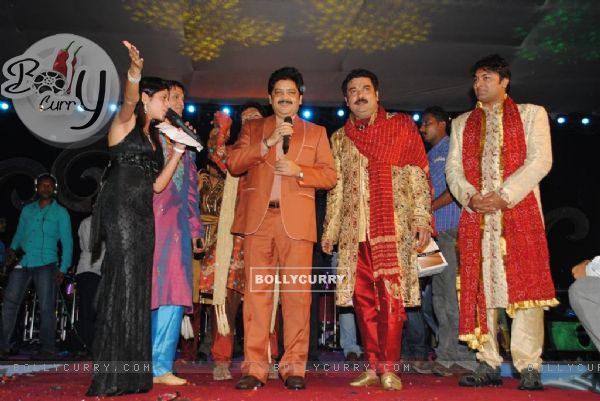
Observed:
{"x":88,"y":277}
{"x":584,"y":296}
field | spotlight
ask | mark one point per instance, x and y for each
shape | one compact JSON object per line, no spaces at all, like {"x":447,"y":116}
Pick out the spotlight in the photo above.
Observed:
{"x":341,"y":113}
{"x":226,"y":110}
{"x":191,"y":108}
{"x":307,"y":114}
{"x":80,"y":109}
{"x":585,"y":120}
{"x":561,"y":120}
{"x":112,"y":107}
{"x":416,"y":117}
{"x":4,"y":106}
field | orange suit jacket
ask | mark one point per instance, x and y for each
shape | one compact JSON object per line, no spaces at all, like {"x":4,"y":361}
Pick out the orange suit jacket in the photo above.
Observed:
{"x":309,"y":148}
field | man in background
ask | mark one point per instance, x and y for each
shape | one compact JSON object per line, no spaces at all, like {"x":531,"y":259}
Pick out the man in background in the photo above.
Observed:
{"x":42,"y":225}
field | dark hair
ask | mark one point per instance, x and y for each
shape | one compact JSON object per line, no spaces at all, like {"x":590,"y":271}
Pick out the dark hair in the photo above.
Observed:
{"x":286,"y":73}
{"x":149,"y":86}
{"x":253,"y":105}
{"x":360,"y":73}
{"x":45,"y":176}
{"x":439,"y":114}
{"x":494,"y":63}
{"x":175,"y":84}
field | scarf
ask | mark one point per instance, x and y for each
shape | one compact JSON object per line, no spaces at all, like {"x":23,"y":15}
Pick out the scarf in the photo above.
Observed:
{"x":386,"y":143}
{"x":526,"y":252}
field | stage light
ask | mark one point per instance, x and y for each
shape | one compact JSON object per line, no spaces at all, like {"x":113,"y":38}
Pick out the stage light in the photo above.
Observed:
{"x":226,"y":110}
{"x":585,"y":120}
{"x":341,"y":113}
{"x":191,"y":108}
{"x":4,"y":106}
{"x":416,"y":117}
{"x":307,"y":114}
{"x":561,"y":120}
{"x":113,"y":107}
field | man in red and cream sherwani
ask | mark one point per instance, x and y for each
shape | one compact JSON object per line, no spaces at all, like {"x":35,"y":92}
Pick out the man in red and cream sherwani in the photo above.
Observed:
{"x":499,"y":152}
{"x":378,"y":214}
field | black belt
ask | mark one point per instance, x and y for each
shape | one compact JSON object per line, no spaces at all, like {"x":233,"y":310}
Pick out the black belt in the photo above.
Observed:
{"x":274,"y":205}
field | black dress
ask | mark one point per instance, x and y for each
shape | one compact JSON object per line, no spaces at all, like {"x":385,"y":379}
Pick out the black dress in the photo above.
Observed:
{"x":124,"y":219}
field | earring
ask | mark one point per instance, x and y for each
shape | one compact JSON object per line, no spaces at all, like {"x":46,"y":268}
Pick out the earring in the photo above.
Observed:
{"x":145,"y":108}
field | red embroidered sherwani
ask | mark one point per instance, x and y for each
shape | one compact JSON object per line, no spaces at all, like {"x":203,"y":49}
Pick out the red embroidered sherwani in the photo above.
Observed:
{"x":525,"y":296}
{"x":346,"y":224}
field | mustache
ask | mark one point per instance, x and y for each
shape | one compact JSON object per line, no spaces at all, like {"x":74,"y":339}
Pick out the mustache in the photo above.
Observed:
{"x":360,"y":101}
{"x":284,"y":101}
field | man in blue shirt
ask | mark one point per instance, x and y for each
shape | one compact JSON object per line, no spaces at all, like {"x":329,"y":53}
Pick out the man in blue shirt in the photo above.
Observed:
{"x":42,"y":225}
{"x":452,"y":357}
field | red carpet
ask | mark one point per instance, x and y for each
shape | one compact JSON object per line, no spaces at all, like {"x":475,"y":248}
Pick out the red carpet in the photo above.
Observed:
{"x":320,"y":386}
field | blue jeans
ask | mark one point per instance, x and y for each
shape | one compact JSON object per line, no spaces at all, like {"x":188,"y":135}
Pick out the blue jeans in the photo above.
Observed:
{"x":445,"y":306}
{"x":44,"y":278}
{"x":418,"y":325}
{"x":348,"y":333}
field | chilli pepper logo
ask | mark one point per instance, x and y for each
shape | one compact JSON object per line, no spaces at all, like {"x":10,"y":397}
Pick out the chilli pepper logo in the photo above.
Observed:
{"x":62,"y":88}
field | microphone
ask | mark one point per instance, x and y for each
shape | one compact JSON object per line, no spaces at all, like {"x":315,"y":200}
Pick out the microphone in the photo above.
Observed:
{"x":177,"y":121}
{"x":285,"y":146}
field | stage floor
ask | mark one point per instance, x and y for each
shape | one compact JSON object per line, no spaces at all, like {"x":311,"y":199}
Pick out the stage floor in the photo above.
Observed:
{"x":27,"y":380}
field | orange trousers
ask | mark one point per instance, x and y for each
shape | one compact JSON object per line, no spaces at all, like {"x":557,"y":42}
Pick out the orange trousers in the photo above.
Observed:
{"x":264,"y":250}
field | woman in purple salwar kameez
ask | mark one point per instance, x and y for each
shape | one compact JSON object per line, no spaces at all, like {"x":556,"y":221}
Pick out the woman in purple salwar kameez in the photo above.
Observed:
{"x":177,"y":226}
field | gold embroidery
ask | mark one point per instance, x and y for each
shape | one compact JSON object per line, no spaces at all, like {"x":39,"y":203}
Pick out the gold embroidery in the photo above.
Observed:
{"x":544,"y":303}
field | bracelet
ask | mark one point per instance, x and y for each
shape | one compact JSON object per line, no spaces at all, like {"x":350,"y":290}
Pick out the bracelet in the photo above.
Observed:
{"x":133,"y":80}
{"x":178,"y":150}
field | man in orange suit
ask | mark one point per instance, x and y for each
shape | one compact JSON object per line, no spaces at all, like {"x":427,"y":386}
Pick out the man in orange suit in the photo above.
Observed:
{"x":276,"y":213}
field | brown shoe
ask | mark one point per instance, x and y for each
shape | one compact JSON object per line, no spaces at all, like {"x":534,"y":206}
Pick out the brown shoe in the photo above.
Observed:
{"x":248,"y":382}
{"x":295,"y":383}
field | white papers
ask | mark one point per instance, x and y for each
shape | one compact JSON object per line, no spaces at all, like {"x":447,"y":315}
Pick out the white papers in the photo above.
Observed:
{"x":178,"y":135}
{"x":431,"y":261}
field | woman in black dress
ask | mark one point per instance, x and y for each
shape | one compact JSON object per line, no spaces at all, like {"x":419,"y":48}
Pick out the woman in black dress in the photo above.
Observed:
{"x":124,"y":219}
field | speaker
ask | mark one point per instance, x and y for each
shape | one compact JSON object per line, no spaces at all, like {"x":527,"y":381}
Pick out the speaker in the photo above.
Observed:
{"x":570,"y":336}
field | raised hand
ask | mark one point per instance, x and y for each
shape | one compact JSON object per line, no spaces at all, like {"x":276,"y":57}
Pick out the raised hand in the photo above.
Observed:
{"x":222,"y":120}
{"x":137,"y":62}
